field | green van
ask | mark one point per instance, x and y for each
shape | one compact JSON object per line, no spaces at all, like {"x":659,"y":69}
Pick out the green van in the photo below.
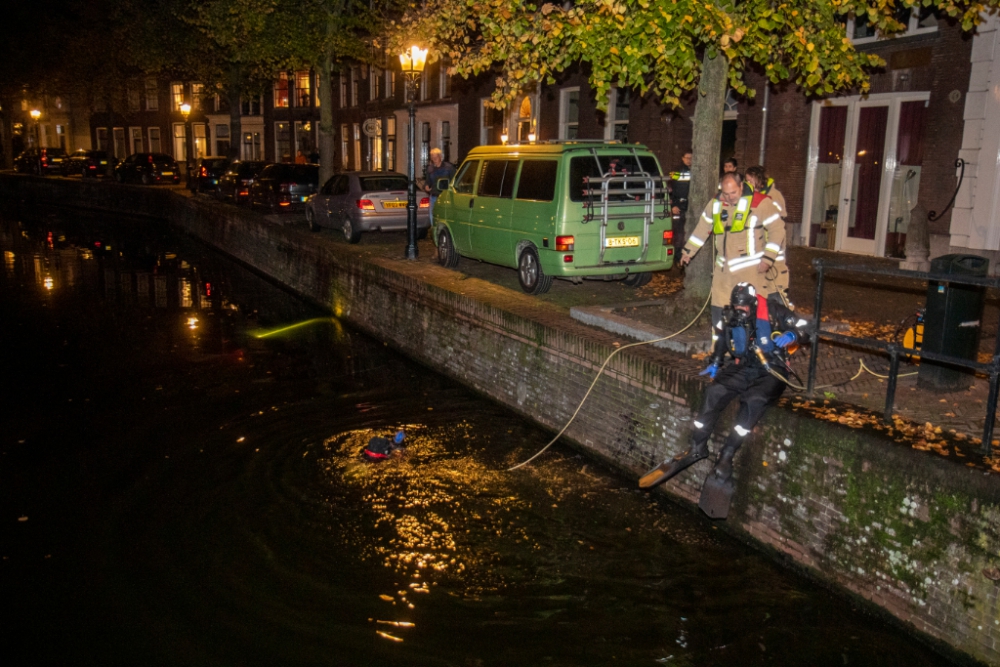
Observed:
{"x":568,"y":209}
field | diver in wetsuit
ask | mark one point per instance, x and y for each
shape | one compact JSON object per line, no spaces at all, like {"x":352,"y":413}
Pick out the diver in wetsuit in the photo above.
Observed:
{"x":755,"y":333}
{"x":380,"y":448}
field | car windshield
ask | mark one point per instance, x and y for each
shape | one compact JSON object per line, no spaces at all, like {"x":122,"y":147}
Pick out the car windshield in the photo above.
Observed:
{"x":382,"y":183}
{"x":215,"y":164}
{"x":160,"y":158}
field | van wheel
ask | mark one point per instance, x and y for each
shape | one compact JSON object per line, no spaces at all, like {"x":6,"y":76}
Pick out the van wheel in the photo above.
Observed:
{"x":447,"y":255}
{"x":638,"y":279}
{"x":529,"y":273}
{"x":311,"y":219}
{"x":350,"y":233}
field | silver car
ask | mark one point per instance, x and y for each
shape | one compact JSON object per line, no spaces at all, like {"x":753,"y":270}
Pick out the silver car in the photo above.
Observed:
{"x":365,"y":201}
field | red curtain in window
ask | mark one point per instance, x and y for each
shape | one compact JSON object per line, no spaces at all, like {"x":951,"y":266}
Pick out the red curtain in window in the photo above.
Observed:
{"x":869,"y":163}
{"x":910,"y":146}
{"x":832,"y":130}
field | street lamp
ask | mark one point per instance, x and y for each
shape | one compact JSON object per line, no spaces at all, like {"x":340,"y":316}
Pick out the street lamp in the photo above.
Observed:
{"x":412,"y":61}
{"x":186,"y":113}
{"x":35,"y":115}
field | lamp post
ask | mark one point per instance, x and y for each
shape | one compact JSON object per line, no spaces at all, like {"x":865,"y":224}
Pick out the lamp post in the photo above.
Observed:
{"x":412,"y":61}
{"x":186,"y":113}
{"x":35,"y":115}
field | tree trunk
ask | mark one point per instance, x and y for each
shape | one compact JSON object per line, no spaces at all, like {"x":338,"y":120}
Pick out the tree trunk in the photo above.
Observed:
{"x":235,"y":114}
{"x":706,"y":146}
{"x":326,"y":131}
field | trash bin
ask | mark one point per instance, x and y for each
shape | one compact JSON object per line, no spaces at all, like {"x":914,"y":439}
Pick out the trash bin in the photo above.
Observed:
{"x":953,"y":321}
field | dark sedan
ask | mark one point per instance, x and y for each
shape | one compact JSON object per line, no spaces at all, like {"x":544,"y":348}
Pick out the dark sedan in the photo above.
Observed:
{"x":41,"y":161}
{"x":235,"y":184}
{"x":88,"y":163}
{"x":207,"y":173}
{"x":284,"y":187}
{"x":365,"y":201}
{"x":148,"y":169}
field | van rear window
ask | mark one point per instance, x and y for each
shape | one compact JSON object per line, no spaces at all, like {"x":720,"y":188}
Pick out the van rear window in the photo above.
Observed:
{"x":538,"y":180}
{"x":589,"y":166}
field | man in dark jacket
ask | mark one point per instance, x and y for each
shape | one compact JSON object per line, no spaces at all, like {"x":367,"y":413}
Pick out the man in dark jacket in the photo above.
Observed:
{"x":436,"y":169}
{"x":756,"y":334}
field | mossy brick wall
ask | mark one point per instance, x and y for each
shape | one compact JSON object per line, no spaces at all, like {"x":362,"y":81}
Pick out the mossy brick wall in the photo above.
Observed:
{"x":910,"y":531}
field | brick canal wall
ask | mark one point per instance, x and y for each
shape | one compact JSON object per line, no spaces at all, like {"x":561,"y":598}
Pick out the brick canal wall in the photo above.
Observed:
{"x":915,"y":533}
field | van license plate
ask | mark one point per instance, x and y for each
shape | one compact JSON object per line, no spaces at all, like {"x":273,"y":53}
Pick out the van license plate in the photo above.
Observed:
{"x":394,"y":204}
{"x":621,"y":242}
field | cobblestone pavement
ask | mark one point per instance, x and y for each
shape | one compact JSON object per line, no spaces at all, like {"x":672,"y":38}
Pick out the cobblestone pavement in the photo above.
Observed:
{"x":855,"y":304}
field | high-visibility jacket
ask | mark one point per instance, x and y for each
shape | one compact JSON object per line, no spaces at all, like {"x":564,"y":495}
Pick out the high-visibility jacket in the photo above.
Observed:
{"x":740,"y":242}
{"x":777,"y":275}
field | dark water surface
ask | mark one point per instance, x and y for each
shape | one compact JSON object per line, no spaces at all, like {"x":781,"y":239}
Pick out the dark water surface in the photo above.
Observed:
{"x":177,"y":489}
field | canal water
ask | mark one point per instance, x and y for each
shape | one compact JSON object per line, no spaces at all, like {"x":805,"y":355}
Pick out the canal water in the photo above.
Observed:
{"x":181,"y":484}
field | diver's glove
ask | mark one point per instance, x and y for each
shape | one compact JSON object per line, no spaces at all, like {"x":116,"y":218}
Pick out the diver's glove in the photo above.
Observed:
{"x":785,"y":339}
{"x":712,"y":369}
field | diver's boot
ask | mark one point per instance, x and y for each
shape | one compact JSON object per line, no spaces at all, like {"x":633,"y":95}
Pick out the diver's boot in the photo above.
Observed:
{"x":661,"y":473}
{"x":718,"y":490}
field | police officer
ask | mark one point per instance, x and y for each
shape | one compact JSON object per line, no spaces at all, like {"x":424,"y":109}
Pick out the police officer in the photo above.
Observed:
{"x":776,"y":287}
{"x":737,"y":220}
{"x":680,"y":187}
{"x":756,"y":335}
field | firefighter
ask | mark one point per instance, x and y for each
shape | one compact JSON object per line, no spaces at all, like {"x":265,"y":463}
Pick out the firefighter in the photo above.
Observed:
{"x":776,"y":287}
{"x":680,"y":185}
{"x":737,"y":218}
{"x":756,"y":335}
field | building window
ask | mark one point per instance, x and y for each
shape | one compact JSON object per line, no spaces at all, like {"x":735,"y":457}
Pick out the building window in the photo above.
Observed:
{"x":374,"y":77}
{"x":61,"y":136}
{"x":136,"y":133}
{"x":177,"y":95}
{"x":390,"y":142}
{"x":121,"y":148}
{"x":317,"y":99}
{"x":918,"y":21}
{"x":525,"y":120}
{"x":343,"y":146}
{"x":222,"y":139}
{"x":154,"y":140}
{"x":302,"y":89}
{"x":446,"y":140}
{"x":732,"y":105}
{"x":569,"y":113}
{"x":343,"y":89}
{"x":250,"y":107}
{"x":444,"y":81}
{"x":281,"y":90}
{"x":197,"y":96}
{"x":252,"y":146}
{"x":356,"y":136}
{"x":374,"y":144}
{"x":180,"y":142}
{"x":355,"y":85}
{"x":425,"y":92}
{"x":282,"y":142}
{"x":152,"y":95}
{"x":134,"y":96}
{"x":390,"y":83}
{"x":305,"y":142}
{"x":492,"y":124}
{"x":200,"y":133}
{"x":616,"y":125}
{"x":425,"y":145}
{"x":102,"y":138}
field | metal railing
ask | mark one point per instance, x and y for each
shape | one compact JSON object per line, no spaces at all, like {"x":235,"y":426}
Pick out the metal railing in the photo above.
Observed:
{"x":895,"y":350}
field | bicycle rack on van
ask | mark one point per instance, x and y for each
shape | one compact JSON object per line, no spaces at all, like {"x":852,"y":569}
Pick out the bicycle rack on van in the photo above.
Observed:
{"x":606,"y":197}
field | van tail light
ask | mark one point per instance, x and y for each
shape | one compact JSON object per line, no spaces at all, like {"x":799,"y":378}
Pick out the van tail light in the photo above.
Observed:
{"x":285,"y":187}
{"x":565,"y":243}
{"x":668,"y":237}
{"x":365,"y":204}
{"x":244,"y":193}
{"x":283,"y":203}
{"x":425,"y":202}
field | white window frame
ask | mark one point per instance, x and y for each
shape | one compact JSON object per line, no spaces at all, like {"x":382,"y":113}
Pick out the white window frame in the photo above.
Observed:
{"x":356,"y":140}
{"x":390,"y":83}
{"x":424,"y":85}
{"x":133,"y":134}
{"x":564,"y":123}
{"x":344,"y":85}
{"x":152,"y":94}
{"x":175,"y":103}
{"x":610,"y":122}
{"x":444,"y":81}
{"x":149,"y":138}
{"x":355,"y":84}
{"x":179,"y":141}
{"x":911,"y":29}
{"x":344,"y":147}
{"x":373,"y":77}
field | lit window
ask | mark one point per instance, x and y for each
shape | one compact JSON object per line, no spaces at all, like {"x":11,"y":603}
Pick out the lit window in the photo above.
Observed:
{"x":281,"y":90}
{"x":177,"y":95}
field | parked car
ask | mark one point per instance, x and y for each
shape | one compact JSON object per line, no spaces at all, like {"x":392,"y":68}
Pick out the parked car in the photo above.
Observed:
{"x":365,"y":201}
{"x":234,"y":185}
{"x":148,"y":169}
{"x":41,"y":161}
{"x":88,"y":163}
{"x":284,"y":187}
{"x":207,"y":173}
{"x":564,"y":209}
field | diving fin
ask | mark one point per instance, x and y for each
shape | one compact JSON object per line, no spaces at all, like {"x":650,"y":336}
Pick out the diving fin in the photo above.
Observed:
{"x":672,"y":466}
{"x":716,"y":495}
